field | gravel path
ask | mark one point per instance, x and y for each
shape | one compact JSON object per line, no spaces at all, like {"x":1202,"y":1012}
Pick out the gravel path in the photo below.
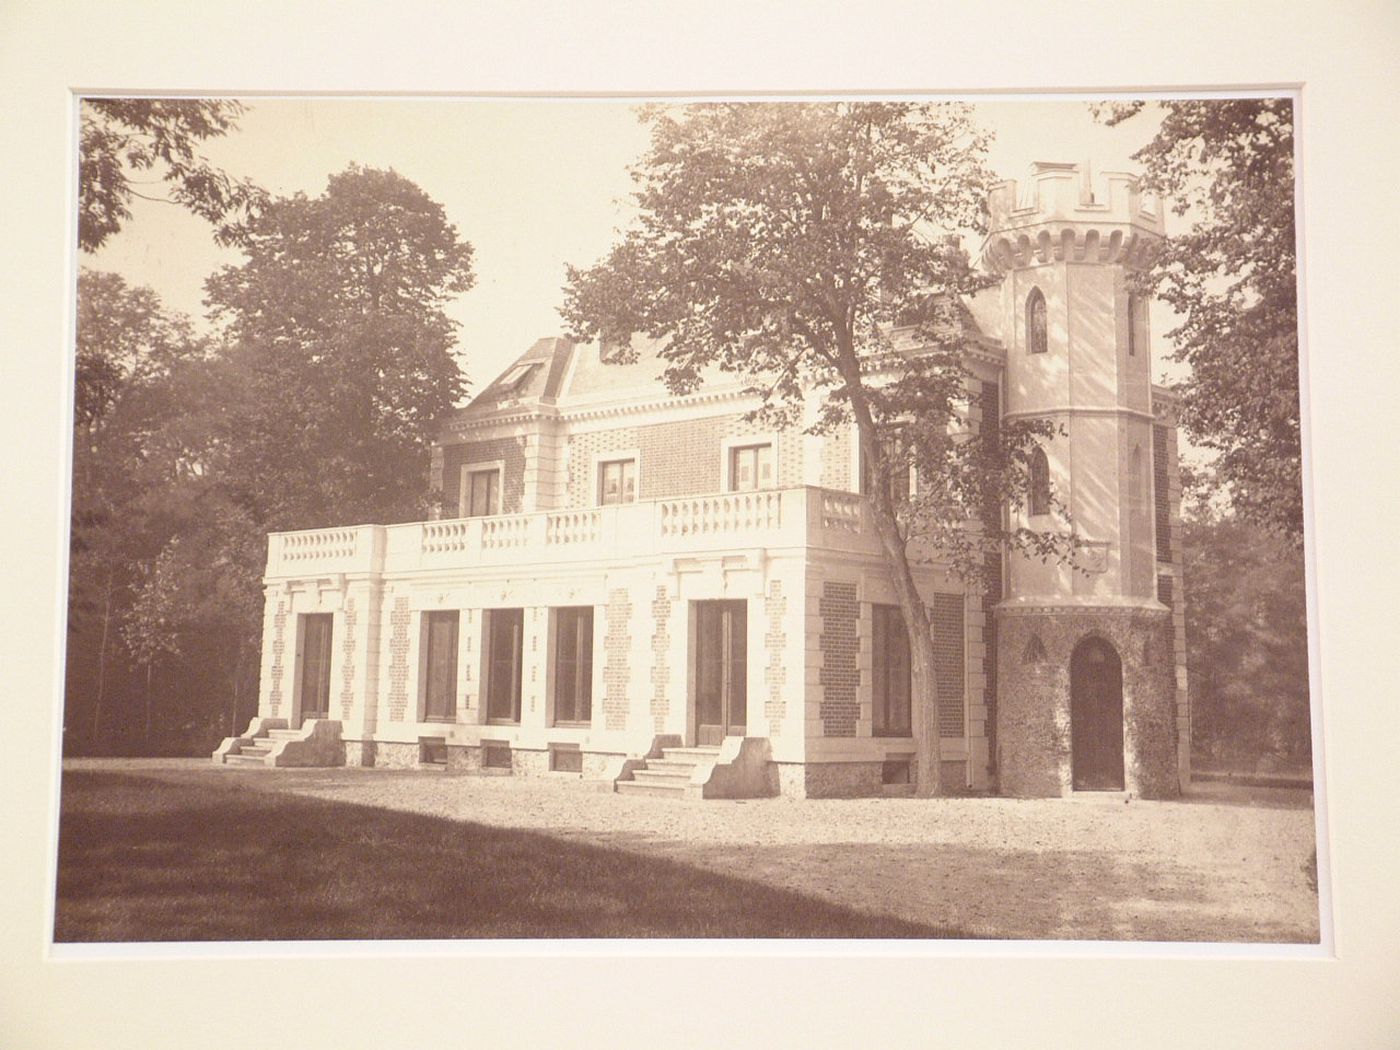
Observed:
{"x":1226,"y":863}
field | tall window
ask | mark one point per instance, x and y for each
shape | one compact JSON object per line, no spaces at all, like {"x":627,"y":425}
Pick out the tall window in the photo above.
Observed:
{"x":573,"y":665}
{"x":481,"y":493}
{"x":750,"y":467}
{"x":1132,"y":324}
{"x":440,"y":665}
{"x":890,"y":670}
{"x":617,"y":481}
{"x":504,"y":635}
{"x":1037,"y":326}
{"x":1137,"y":482}
{"x":1039,"y":496}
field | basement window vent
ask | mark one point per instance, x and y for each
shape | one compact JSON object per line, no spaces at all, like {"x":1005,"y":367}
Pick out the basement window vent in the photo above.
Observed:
{"x":895,"y":771}
{"x":495,"y":756}
{"x":432,"y":752}
{"x":565,"y":760}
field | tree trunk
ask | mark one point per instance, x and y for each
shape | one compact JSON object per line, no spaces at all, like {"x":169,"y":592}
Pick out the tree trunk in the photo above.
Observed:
{"x":148,"y":707}
{"x":923,"y":686}
{"x":102,"y":660}
{"x":237,"y":675}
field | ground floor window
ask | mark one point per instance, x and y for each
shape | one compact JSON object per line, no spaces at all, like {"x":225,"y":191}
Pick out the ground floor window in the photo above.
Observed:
{"x":505,"y":630}
{"x":573,"y":665}
{"x":440,"y":665}
{"x":890,"y":670}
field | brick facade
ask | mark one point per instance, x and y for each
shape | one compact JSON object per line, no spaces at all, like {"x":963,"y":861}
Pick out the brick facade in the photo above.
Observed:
{"x":509,"y":451}
{"x":840,"y":648}
{"x":279,"y":649}
{"x":661,"y":649}
{"x":347,"y":661}
{"x":399,"y":621}
{"x":617,"y":670}
{"x":946,"y":620}
{"x":775,"y":642}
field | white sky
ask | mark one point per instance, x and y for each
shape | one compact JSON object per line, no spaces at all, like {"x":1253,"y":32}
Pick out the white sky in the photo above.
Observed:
{"x":531,"y":184}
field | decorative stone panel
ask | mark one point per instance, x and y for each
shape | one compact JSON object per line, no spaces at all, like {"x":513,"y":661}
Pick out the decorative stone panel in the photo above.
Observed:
{"x":347,"y":661}
{"x":840,"y":647}
{"x":1033,"y":712}
{"x":399,"y":621}
{"x":661,"y":649}
{"x":279,"y":649}
{"x":775,"y":644}
{"x":617,"y":648}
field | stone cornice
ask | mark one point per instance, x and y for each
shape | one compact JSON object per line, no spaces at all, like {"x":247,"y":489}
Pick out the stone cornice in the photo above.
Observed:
{"x":1080,"y":410}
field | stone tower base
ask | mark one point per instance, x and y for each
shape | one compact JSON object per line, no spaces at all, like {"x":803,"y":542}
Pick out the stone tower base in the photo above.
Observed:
{"x":1034,"y":752}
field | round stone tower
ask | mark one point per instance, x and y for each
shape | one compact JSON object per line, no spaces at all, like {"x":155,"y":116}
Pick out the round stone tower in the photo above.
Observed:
{"x":1085,"y":657}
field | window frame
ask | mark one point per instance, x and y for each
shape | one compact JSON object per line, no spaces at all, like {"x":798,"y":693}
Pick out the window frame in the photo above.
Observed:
{"x":600,"y":471}
{"x":899,"y":489}
{"x":1038,"y":490}
{"x":887,"y":626}
{"x":425,"y":633}
{"x":464,"y":491}
{"x":732,"y":455}
{"x":575,"y":675}
{"x":1037,"y":337}
{"x":495,"y":620}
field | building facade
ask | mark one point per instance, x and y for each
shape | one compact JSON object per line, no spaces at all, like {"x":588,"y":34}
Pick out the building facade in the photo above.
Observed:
{"x":654,"y":593}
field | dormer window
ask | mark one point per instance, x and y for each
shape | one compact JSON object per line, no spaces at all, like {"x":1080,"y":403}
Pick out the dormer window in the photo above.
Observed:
{"x":1039,"y":494}
{"x":1037,"y":325}
{"x":513,"y":380}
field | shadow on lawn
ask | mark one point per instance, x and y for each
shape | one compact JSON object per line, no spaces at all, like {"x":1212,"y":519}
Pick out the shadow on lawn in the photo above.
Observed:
{"x":146,"y":860}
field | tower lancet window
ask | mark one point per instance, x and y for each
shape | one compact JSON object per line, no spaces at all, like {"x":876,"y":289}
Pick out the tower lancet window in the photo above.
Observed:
{"x":1132,"y":324}
{"x":1039,"y":496}
{"x":1037,"y":326}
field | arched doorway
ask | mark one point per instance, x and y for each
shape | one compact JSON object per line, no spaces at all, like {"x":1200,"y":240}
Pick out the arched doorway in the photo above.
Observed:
{"x":1096,"y":716}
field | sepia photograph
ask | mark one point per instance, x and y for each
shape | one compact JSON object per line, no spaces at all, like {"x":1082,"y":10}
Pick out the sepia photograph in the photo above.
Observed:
{"x":848,"y":517}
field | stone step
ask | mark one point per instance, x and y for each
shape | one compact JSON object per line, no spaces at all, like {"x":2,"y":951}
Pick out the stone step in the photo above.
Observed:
{"x":243,"y":760}
{"x":282,"y":734}
{"x":676,"y":765}
{"x":641,"y":787}
{"x":254,"y":749}
{"x":693,"y":755}
{"x":679,"y":777}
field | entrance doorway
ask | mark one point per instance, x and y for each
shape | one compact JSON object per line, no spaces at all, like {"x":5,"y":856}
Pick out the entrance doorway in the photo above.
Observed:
{"x":721,"y":671}
{"x":1096,"y":716}
{"x":315,"y":666}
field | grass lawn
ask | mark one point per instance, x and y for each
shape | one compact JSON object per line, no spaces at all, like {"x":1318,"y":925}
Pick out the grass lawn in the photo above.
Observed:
{"x":144,"y":859}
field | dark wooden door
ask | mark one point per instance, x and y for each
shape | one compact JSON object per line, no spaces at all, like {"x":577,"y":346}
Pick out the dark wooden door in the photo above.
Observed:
{"x":1096,"y":716}
{"x":315,"y":665}
{"x":721,"y":670}
{"x":505,"y":635}
{"x":440,"y":691}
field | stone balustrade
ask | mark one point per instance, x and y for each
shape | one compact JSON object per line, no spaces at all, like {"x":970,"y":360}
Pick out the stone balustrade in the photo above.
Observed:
{"x":796,"y":517}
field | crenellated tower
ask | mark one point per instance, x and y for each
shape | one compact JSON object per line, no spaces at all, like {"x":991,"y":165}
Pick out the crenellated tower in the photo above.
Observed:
{"x":1085,"y":651}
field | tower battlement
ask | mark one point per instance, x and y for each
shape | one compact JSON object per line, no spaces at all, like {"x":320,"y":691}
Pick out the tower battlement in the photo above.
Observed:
{"x":1059,"y":213}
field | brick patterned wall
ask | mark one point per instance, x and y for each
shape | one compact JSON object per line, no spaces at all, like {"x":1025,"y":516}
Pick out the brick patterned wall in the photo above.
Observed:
{"x":1161,"y":495}
{"x":836,"y":460}
{"x":509,"y":450}
{"x":582,"y":449}
{"x":347,"y":661}
{"x":840,"y":674}
{"x":1165,"y":589}
{"x":775,"y":642}
{"x":661,"y":648}
{"x":680,"y":458}
{"x":946,"y":620}
{"x":279,"y":648}
{"x":398,"y":658}
{"x":617,"y":659}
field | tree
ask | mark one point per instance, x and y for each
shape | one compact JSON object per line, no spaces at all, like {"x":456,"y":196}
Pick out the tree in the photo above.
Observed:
{"x":338,"y":356}
{"x":1247,"y":642}
{"x":129,"y":351}
{"x":1232,"y":279}
{"x":781,"y":242}
{"x":122,"y":139}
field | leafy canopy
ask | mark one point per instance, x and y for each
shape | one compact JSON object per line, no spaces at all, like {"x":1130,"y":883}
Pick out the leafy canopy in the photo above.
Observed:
{"x":1232,"y":279}
{"x":123,"y":141}
{"x":340,"y":357}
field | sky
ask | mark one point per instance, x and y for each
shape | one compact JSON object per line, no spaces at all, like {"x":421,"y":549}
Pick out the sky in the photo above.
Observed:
{"x":532,"y":184}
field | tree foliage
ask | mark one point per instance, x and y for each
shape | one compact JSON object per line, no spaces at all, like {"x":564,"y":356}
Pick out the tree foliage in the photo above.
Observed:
{"x":1247,"y":644}
{"x":1232,"y":280}
{"x":782,"y":243}
{"x":339,"y":355}
{"x":130,"y":142}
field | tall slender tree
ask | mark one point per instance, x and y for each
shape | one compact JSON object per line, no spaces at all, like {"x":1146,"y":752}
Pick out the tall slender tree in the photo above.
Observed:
{"x":782,"y":242}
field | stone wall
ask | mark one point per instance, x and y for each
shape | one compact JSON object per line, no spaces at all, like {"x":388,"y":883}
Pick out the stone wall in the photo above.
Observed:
{"x":830,"y":779}
{"x":1034,"y":753}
